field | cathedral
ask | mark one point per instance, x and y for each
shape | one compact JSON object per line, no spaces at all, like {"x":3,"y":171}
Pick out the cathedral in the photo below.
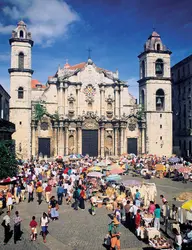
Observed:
{"x":85,"y":109}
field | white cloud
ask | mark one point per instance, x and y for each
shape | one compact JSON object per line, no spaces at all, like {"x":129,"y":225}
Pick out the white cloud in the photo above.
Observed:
{"x":47,"y":20}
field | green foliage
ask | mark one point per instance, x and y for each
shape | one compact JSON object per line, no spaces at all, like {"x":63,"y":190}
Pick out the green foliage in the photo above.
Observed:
{"x":56,"y":116}
{"x":40,"y":111}
{"x":140,"y":112}
{"x":8,"y":163}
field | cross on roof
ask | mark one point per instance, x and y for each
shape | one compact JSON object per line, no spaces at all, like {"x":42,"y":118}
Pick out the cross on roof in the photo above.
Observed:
{"x":89,"y":53}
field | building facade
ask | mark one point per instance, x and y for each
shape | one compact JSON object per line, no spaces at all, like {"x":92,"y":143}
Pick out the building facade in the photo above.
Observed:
{"x":156,"y":95}
{"x":82,"y":108}
{"x":6,"y":127}
{"x":182,"y":107}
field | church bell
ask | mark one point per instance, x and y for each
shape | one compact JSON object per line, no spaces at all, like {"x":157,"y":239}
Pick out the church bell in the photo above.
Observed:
{"x":159,"y":101}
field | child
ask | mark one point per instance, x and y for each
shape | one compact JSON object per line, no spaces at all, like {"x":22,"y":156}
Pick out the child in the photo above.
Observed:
{"x":33,"y":225}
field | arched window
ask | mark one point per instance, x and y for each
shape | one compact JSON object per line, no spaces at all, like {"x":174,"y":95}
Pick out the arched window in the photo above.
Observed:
{"x":20,"y":93}
{"x":160,"y":100}
{"x":142,"y":97}
{"x":143,"y":69}
{"x":21,"y":34}
{"x":158,"y":47}
{"x":159,"y":67}
{"x":21,"y":60}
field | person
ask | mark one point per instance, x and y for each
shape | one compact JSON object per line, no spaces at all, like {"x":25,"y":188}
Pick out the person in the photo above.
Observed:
{"x":151,"y":208}
{"x":60,"y":192}
{"x":178,"y":239}
{"x":48,"y":189}
{"x":6,"y":225}
{"x":54,"y":208}
{"x":188,"y":237}
{"x":82,"y":199}
{"x":93,"y":204}
{"x":9,"y":200}
{"x":30,"y":192}
{"x":137,"y":195}
{"x":76,"y":197}
{"x":127,"y":213}
{"x":39,"y":192}
{"x":22,"y":192}
{"x":157,"y":214}
{"x":115,"y":234}
{"x":163,"y":199}
{"x":133,"y":211}
{"x":138,"y":222}
{"x":185,"y":177}
{"x":117,"y":213}
{"x":17,"y":227}
{"x":44,"y":221}
{"x":33,"y":225}
{"x":165,"y":212}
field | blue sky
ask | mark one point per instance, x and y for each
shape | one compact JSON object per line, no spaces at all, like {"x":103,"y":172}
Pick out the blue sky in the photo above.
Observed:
{"x":115,"y":30}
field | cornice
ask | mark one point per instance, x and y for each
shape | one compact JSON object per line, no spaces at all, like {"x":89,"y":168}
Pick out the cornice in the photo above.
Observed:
{"x":11,"y":40}
{"x":20,"y":70}
{"x":154,"y":78}
{"x":155,"y":51}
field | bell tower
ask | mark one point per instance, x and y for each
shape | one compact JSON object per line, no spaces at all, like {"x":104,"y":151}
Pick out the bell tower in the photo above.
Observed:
{"x":155,"y":95}
{"x":20,"y":88}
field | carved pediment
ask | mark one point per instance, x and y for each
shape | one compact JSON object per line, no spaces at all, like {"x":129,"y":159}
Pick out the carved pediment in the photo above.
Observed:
{"x":90,"y":124}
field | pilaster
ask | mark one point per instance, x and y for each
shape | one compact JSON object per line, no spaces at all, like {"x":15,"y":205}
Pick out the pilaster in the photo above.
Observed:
{"x":66,"y":98}
{"x":66,"y":138}
{"x":116,"y":111}
{"x":102,"y":134}
{"x":61,"y":138}
{"x":34,"y":128}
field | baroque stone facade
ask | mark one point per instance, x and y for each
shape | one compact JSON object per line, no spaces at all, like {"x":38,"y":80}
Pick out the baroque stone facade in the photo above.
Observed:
{"x":82,"y":108}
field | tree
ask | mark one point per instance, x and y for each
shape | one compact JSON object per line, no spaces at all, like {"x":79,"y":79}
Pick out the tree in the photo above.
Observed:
{"x":40,"y":111}
{"x":8,"y":163}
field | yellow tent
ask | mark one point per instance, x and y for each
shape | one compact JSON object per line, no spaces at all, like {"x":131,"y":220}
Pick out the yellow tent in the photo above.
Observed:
{"x":160,"y":167}
{"x":187,"y":205}
{"x":94,"y":169}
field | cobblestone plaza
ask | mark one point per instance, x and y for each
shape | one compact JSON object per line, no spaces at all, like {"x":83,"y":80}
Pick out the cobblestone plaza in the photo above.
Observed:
{"x":78,"y":230}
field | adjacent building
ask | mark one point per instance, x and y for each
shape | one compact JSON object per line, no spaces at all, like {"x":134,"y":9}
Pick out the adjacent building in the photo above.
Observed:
{"x":182,"y":106}
{"x":86,"y":109}
{"x":6,"y":127}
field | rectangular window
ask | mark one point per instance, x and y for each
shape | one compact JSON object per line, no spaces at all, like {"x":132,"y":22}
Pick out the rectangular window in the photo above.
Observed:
{"x":183,"y":71}
{"x":190,"y":147}
{"x":160,"y":126}
{"x":190,"y":123}
{"x":160,"y":115}
{"x":189,"y":105}
{"x":178,"y":74}
{"x":160,"y":137}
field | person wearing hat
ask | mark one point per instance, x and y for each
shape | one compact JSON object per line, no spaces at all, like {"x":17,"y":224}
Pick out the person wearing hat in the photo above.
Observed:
{"x":115,"y":234}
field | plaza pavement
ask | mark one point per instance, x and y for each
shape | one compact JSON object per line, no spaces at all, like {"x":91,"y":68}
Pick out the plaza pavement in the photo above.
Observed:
{"x":78,"y":230}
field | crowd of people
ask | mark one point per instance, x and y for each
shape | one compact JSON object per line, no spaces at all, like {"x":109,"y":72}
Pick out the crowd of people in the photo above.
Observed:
{"x":57,"y":182}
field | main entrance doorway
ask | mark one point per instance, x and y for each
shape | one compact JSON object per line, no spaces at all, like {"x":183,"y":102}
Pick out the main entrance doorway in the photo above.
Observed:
{"x":90,"y":142}
{"x":132,"y":145}
{"x":44,"y":146}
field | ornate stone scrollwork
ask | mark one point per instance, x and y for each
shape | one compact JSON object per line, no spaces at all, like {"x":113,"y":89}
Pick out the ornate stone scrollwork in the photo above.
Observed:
{"x":71,"y":98}
{"x":109,"y":99}
{"x":90,"y":114}
{"x":132,"y":123}
{"x":89,"y":92}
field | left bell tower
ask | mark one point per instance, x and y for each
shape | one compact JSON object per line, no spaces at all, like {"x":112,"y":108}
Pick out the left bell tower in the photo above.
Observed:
{"x":20,"y":88}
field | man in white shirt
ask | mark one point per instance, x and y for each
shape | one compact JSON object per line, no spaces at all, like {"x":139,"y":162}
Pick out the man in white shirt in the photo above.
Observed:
{"x":6,"y":225}
{"x":133,"y":211}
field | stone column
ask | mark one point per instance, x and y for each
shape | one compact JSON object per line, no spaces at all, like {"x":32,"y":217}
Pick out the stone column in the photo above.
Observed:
{"x":116,"y":101}
{"x":125,"y":141}
{"x":61,"y":139}
{"x":101,"y":100}
{"x":143,"y":131}
{"x":102,"y":140}
{"x":66,"y":139}
{"x":79,"y":138}
{"x":77,"y":100}
{"x":55,"y":138}
{"x":121,"y":140}
{"x":66,"y":98}
{"x":121,"y":101}
{"x":116,"y":140}
{"x":60,"y":100}
{"x":34,"y":127}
